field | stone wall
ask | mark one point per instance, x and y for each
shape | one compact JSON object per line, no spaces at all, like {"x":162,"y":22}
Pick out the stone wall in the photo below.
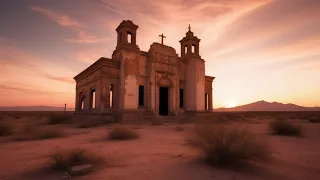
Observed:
{"x":195,"y":84}
{"x":163,"y":72}
{"x":130,"y":71}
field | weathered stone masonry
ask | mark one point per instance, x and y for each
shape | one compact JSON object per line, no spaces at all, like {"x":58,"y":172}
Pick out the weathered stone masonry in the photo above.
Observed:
{"x":157,"y":81}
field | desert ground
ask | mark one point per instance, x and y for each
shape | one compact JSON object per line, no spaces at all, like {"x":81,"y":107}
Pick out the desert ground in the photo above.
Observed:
{"x":160,"y":153}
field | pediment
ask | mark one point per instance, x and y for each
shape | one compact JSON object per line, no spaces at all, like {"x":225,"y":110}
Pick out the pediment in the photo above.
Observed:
{"x":165,"y":82}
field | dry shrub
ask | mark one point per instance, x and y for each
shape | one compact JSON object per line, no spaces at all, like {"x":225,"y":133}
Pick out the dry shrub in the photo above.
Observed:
{"x":227,"y":146}
{"x":314,"y":119}
{"x":5,"y":130}
{"x":123,"y":133}
{"x":285,"y":127}
{"x":65,"y":160}
{"x":38,"y":133}
{"x":56,"y":119}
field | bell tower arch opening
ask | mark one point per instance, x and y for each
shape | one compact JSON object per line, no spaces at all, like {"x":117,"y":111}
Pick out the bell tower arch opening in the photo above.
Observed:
{"x":190,"y":45}
{"x":127,"y":34}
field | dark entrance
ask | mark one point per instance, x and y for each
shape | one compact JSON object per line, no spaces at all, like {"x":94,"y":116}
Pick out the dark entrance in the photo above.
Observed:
{"x":141,"y":95}
{"x":163,"y":101}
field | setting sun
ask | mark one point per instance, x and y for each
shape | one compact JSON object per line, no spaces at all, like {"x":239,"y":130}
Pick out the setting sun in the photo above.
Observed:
{"x":231,"y":104}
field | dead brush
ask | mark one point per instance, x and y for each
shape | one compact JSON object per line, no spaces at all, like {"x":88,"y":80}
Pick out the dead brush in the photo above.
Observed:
{"x":123,"y":133}
{"x":284,"y":127}
{"x":64,"y":160}
{"x":56,"y":119}
{"x":314,"y":119}
{"x":38,"y":133}
{"x":5,"y":129}
{"x":227,"y":146}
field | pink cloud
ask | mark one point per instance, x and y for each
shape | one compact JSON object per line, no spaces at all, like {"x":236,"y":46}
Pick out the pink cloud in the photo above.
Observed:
{"x":10,"y":56}
{"x":83,"y":37}
{"x":88,"y":57}
{"x":65,"y":21}
{"x":61,"y":19}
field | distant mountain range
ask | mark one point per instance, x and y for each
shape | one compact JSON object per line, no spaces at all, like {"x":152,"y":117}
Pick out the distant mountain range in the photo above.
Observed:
{"x":269,"y":106}
{"x":256,"y":106}
{"x":33,"y":108}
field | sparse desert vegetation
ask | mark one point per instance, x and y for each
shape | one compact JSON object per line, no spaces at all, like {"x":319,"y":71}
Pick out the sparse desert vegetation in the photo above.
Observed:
{"x":28,"y":133}
{"x":5,"y":129}
{"x":56,"y":118}
{"x":314,"y":119}
{"x":64,"y":160}
{"x":223,"y":145}
{"x":123,"y":133}
{"x":162,"y":152}
{"x":285,"y":127}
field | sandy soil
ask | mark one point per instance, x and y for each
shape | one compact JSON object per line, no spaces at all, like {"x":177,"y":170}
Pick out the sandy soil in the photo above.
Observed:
{"x":162,"y":154}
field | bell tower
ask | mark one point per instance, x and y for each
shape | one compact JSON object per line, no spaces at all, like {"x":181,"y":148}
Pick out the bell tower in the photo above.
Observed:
{"x":190,"y":45}
{"x":127,"y":53}
{"x":195,"y":72}
{"x":127,"y":35}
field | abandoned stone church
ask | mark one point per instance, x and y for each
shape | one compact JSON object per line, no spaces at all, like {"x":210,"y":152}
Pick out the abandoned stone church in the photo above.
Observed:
{"x":158,"y":81}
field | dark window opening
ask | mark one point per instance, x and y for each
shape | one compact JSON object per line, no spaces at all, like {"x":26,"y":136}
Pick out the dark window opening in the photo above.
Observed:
{"x":206,"y":101}
{"x":193,"y":49}
{"x":129,"y":37}
{"x":111,"y":96}
{"x":92,"y":98}
{"x":141,"y":95}
{"x":181,"y":98}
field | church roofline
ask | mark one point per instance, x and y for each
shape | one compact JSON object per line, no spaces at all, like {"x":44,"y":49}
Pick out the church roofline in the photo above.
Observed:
{"x":192,"y":38}
{"x":127,"y":23}
{"x":100,"y":62}
{"x":209,"y":78}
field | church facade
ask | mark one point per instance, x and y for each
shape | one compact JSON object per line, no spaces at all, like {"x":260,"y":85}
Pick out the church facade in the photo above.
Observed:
{"x":157,"y":81}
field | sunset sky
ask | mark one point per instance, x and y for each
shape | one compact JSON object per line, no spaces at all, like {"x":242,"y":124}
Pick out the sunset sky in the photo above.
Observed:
{"x":257,"y":49}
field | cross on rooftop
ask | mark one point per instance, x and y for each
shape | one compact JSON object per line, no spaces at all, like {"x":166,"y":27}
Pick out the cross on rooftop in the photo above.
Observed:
{"x":162,"y":36}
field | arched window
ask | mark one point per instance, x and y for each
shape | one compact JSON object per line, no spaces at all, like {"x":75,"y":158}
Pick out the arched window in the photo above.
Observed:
{"x":129,"y":37}
{"x":193,"y":48}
